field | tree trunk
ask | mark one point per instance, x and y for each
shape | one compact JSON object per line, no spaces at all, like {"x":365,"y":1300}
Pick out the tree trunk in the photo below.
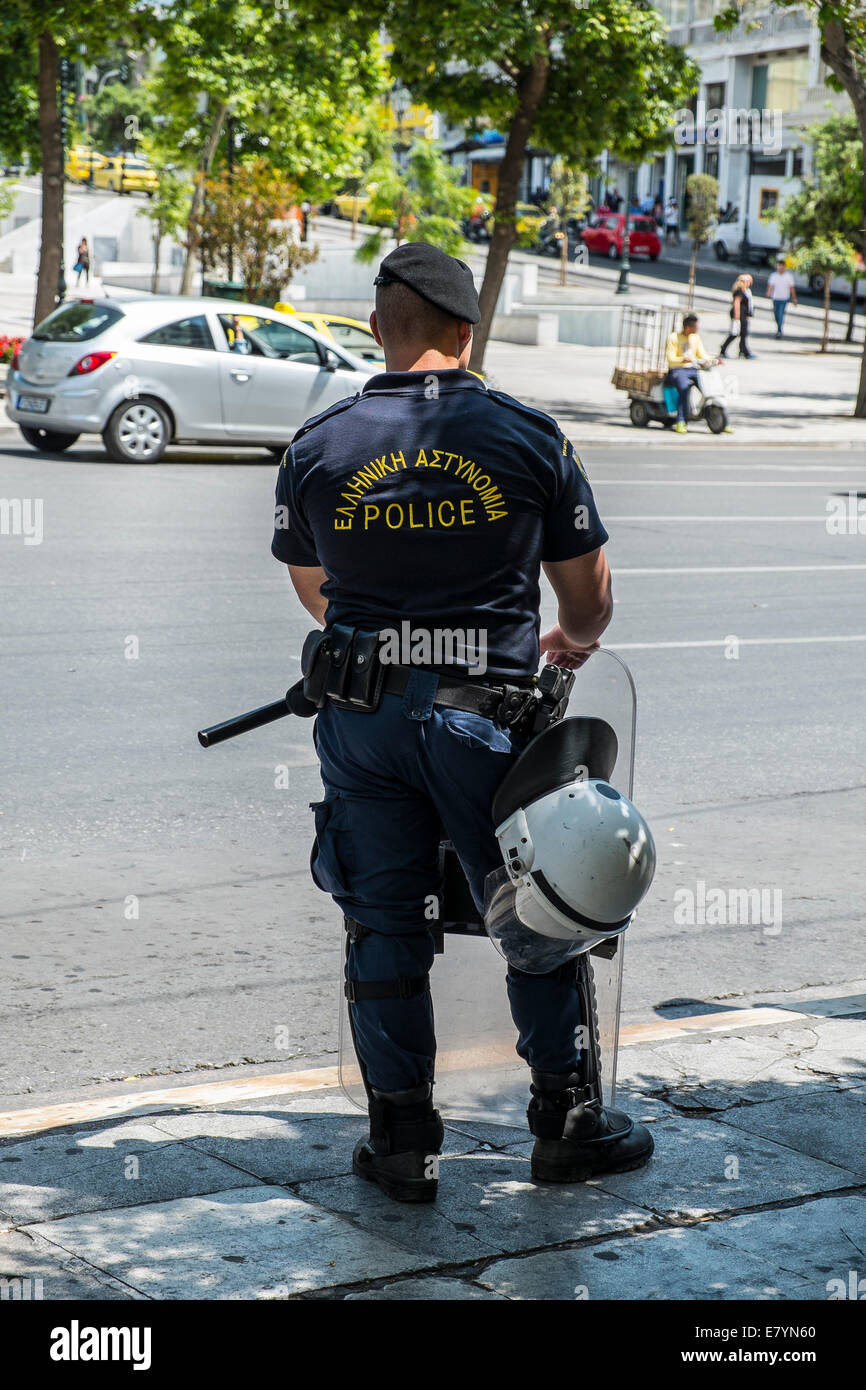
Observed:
{"x":157,"y":238}
{"x":693,"y":271}
{"x":530,"y":88}
{"x":52,"y":180}
{"x":842,"y":62}
{"x":852,"y":309}
{"x":197,"y":202}
{"x":828,"y":275}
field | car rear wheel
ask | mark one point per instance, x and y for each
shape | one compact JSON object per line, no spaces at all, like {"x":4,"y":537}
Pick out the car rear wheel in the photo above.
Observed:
{"x":721,"y":251}
{"x":47,"y":441}
{"x":612,"y":252}
{"x":653,"y":255}
{"x":137,"y":432}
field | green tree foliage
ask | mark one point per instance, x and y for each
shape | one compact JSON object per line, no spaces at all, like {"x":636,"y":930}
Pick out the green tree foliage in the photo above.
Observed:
{"x":423,"y":203}
{"x":574,"y":76}
{"x":820,"y":222}
{"x":826,"y":255}
{"x":291,"y":77}
{"x":34,"y":36}
{"x":251,"y":212}
{"x":702,"y":192}
{"x":168,"y":210}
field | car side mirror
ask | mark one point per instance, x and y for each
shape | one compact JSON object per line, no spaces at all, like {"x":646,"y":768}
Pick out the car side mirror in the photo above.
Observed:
{"x":332,"y":361}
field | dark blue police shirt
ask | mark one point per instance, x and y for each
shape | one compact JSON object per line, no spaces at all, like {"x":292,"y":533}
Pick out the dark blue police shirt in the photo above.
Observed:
{"x":431,"y":499}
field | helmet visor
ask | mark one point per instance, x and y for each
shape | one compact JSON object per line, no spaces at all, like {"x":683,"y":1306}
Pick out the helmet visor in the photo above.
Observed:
{"x":531,"y":950}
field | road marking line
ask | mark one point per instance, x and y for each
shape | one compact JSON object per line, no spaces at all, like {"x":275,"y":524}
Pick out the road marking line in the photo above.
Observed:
{"x":733,"y":569}
{"x":701,"y":482}
{"x":672,"y":516}
{"x":725,"y":641}
{"x":18,"y":1123}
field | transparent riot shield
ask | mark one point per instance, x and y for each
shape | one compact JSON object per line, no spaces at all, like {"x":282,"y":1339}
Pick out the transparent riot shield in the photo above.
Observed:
{"x":478,"y":1073}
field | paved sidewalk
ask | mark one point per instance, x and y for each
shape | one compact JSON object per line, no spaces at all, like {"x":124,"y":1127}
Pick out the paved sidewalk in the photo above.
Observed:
{"x":757,"y":1189}
{"x":789,"y":394}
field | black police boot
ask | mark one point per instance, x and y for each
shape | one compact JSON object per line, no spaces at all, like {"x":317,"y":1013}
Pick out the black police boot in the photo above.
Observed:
{"x":402,"y":1153}
{"x":576,"y":1137}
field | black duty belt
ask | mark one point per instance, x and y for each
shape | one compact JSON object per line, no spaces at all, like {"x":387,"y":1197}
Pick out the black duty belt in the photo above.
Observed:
{"x":507,"y":704}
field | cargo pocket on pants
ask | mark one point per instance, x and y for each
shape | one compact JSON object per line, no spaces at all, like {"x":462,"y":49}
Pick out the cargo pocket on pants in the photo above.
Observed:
{"x":328,"y":856}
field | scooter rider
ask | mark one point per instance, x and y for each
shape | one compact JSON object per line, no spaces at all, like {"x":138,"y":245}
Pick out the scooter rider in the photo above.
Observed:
{"x":685,"y":353}
{"x":431,"y":501}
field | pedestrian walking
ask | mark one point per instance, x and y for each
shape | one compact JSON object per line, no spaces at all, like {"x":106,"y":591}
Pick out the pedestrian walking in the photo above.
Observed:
{"x":613,"y":199}
{"x":426,"y":744}
{"x":782,"y":291}
{"x":82,"y":262}
{"x":672,"y":222}
{"x":741,"y":313}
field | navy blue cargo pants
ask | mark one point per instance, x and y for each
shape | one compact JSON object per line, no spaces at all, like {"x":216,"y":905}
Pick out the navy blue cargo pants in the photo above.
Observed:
{"x":392,"y":779}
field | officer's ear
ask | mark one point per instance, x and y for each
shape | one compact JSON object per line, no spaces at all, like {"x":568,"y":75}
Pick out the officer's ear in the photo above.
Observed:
{"x":374,"y":328}
{"x":464,"y":339}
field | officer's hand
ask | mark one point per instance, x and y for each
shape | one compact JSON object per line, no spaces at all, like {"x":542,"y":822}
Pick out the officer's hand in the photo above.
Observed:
{"x":555,"y":646}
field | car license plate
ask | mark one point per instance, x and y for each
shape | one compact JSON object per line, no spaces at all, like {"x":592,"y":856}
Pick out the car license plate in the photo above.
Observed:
{"x":38,"y":404}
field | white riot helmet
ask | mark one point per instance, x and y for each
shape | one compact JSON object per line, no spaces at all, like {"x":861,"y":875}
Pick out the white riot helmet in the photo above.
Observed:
{"x":579,"y":857}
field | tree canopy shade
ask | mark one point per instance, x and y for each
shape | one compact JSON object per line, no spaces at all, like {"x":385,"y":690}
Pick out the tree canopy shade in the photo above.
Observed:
{"x":577,"y":76}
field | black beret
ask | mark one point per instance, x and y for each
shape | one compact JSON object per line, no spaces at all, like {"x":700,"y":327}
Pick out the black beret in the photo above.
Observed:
{"x":442,"y":279}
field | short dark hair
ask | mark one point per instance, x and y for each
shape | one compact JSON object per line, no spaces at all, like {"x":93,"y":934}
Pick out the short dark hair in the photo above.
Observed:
{"x":689,"y":318}
{"x":404,"y":314}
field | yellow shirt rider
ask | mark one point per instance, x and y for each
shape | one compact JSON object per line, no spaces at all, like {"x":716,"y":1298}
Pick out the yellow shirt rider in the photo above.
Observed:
{"x":684,"y":353}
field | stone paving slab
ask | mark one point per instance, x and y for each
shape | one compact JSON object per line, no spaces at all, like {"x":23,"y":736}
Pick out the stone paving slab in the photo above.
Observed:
{"x":120,"y":1164}
{"x":486,"y":1203}
{"x":688,"y":1264}
{"x":258,"y":1242}
{"x":429,"y":1290}
{"x":838,"y":1051}
{"x":280,"y":1145}
{"x":832,"y":1128}
{"x":27,"y":1256}
{"x":687,"y":1173}
{"x":756,"y":1066}
{"x":819,"y":1241}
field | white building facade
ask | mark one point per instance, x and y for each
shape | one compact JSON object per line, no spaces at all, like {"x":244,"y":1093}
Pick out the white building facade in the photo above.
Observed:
{"x":762,"y":84}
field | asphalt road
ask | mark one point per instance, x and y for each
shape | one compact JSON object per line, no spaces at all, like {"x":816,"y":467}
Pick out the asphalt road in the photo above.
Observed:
{"x":157,"y":914}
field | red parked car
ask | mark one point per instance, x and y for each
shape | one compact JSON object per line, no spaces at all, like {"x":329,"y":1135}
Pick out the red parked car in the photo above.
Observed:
{"x":608,"y":237}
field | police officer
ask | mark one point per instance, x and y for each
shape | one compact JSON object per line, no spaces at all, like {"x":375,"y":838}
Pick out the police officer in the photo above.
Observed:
{"x":423,"y":506}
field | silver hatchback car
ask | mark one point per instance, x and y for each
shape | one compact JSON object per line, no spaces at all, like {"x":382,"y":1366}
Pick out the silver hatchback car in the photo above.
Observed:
{"x":148,"y":372}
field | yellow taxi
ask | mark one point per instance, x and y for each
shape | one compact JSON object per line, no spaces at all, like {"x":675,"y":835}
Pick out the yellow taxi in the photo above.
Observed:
{"x":351,"y":334}
{"x":352,"y":206}
{"x":82,"y":162}
{"x":126,"y":173}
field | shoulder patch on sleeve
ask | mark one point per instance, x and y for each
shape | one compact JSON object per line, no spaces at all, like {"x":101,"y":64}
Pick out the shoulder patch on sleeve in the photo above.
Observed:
{"x":334,"y":409}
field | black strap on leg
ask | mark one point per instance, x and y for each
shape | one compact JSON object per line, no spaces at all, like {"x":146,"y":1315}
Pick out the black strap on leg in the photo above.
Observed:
{"x":357,"y":991}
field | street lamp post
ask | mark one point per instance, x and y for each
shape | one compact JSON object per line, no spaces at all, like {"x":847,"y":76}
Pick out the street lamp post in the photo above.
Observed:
{"x":230,"y":136}
{"x":623,"y":286}
{"x":744,"y":248}
{"x":64,"y":97}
